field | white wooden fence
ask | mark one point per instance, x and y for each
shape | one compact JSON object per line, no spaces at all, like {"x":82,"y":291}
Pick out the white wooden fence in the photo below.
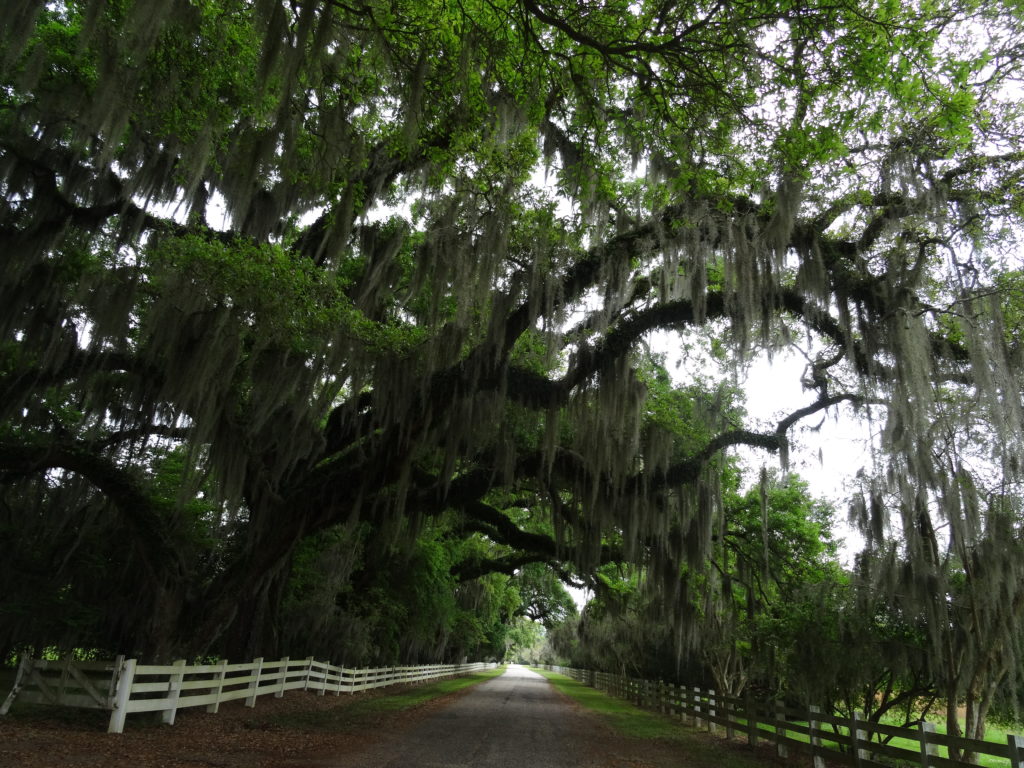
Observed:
{"x":124,"y":686}
{"x":855,"y":741}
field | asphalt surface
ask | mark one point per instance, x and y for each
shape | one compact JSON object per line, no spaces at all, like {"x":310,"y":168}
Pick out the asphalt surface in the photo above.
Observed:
{"x":517,"y":720}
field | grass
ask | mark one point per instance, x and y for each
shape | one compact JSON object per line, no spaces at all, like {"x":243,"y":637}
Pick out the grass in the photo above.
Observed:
{"x":696,"y":750}
{"x":641,"y":724}
{"x":993,"y":734}
{"x":363,"y":710}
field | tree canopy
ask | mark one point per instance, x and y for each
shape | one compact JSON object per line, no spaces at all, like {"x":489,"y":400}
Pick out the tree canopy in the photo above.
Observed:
{"x":361,"y":286}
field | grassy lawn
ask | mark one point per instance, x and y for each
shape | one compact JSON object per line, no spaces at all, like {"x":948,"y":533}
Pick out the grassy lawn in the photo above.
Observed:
{"x":698,"y":749}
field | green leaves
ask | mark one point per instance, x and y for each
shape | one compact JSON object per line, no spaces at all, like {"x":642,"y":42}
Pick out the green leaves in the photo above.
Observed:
{"x":284,"y":298}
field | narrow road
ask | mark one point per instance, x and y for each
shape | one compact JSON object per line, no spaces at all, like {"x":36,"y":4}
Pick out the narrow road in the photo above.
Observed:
{"x":517,"y":720}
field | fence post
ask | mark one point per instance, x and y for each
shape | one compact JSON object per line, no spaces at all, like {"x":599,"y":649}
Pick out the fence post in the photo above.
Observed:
{"x":781,"y":748}
{"x":309,"y":671}
{"x":751,"y":717}
{"x":122,"y":696}
{"x":729,"y":710}
{"x":928,"y":747}
{"x":1014,"y":743}
{"x":115,"y":673}
{"x":857,"y":736}
{"x":254,"y":685}
{"x":323,"y":680}
{"x":712,"y":711}
{"x":284,"y":678}
{"x":219,"y":688}
{"x":174,"y":692}
{"x":24,"y":664}
{"x":698,"y":721}
{"x":815,"y":728}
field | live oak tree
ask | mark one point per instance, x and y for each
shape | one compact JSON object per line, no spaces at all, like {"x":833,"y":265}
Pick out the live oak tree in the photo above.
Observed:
{"x":386,"y":264}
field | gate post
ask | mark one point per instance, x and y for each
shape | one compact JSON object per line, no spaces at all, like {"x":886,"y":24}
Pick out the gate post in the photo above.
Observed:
{"x":122,"y":696}
{"x":24,"y":664}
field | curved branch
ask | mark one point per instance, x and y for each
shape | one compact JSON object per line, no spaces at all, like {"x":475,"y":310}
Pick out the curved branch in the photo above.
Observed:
{"x":142,"y":512}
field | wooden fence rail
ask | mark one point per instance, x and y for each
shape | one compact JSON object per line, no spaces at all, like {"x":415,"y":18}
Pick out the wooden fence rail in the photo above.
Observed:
{"x":855,"y":741}
{"x":124,"y":686}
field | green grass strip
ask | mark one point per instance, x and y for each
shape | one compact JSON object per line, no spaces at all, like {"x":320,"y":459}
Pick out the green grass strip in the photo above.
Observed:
{"x":696,"y":750}
{"x":363,"y":710}
{"x":626,"y":718}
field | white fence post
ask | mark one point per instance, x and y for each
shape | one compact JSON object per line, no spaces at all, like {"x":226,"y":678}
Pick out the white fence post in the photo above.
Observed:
{"x":928,"y":747}
{"x":114,"y":675}
{"x":323,"y":680}
{"x":254,"y":684}
{"x":218,"y":688}
{"x":712,"y":711}
{"x":858,"y":735}
{"x":781,"y":749}
{"x":815,"y":727}
{"x":309,"y":671}
{"x":122,"y":696}
{"x":174,"y":681}
{"x":24,"y":665}
{"x":283,"y":679}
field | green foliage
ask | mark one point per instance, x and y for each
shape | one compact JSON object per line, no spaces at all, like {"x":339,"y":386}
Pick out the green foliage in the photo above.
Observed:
{"x":325,"y":326}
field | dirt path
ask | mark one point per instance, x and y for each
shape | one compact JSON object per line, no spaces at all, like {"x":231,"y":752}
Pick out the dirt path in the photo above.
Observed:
{"x":513,"y":721}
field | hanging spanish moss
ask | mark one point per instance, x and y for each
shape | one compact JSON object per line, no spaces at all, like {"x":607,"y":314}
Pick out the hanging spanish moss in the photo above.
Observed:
{"x":343,"y":288}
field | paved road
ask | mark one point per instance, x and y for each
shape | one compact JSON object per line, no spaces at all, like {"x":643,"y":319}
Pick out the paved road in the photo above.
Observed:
{"x":516,"y":720}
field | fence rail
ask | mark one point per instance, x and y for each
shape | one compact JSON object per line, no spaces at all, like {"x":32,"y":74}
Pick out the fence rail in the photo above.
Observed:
{"x":124,"y":686}
{"x":855,"y":741}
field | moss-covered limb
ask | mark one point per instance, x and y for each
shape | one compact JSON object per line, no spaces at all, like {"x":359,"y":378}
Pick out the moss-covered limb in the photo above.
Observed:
{"x":508,"y":565}
{"x":527,"y":547}
{"x":154,"y":530}
{"x":324,"y":239}
{"x":65,"y":193}
{"x":121,"y":436}
{"x":689,"y":469}
{"x":821,"y":404}
{"x":20,"y":381}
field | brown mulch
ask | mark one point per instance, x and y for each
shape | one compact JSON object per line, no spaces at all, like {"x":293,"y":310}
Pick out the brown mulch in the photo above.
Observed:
{"x":237,"y":737}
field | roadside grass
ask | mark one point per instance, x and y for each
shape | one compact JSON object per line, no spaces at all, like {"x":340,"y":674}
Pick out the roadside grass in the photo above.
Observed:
{"x":634,"y":722}
{"x":365,"y":710}
{"x":698,"y":749}
{"x":993,"y":734}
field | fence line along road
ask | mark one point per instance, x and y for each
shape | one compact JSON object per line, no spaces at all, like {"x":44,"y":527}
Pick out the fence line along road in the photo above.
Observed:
{"x":124,"y":686}
{"x":857,"y":742}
